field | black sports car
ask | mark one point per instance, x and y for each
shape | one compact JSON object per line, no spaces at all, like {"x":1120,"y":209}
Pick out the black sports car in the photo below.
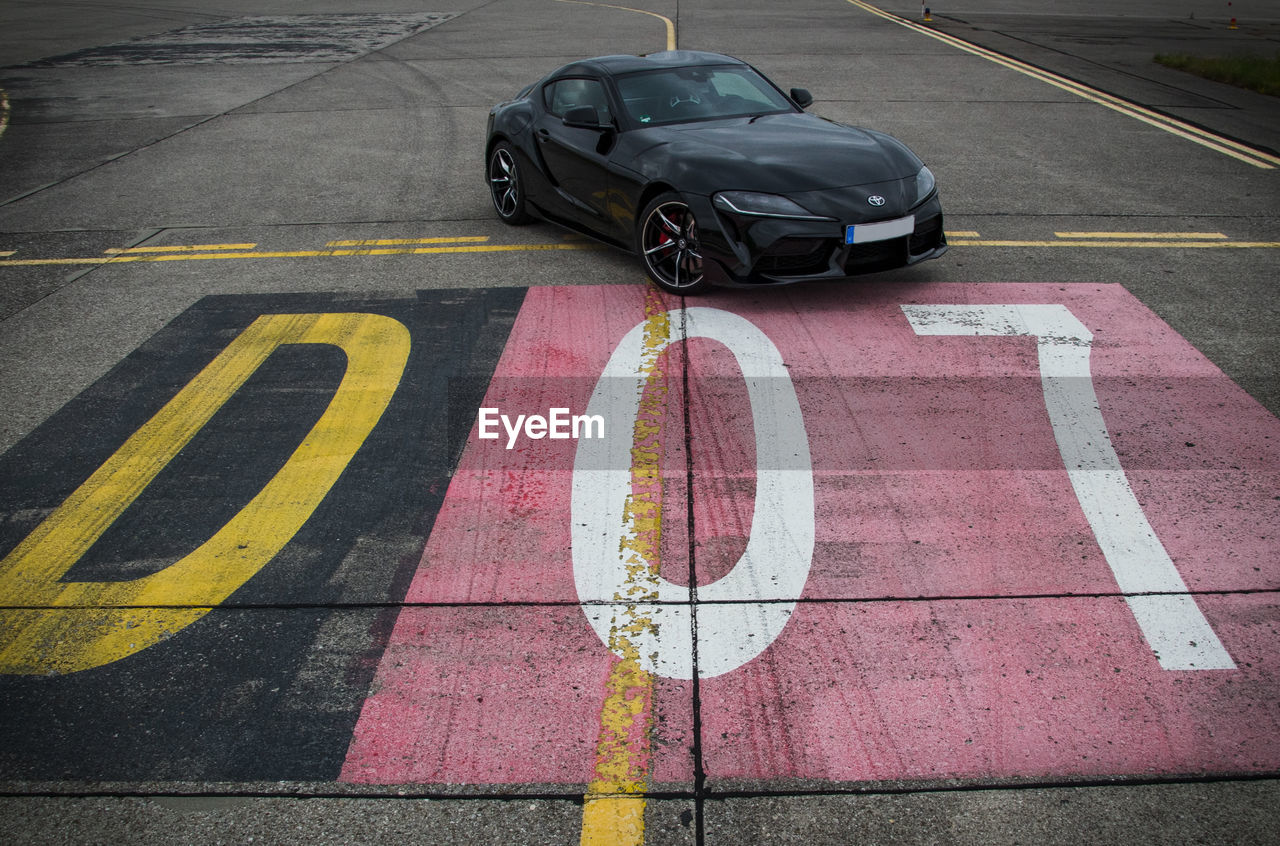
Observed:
{"x":705,"y":168}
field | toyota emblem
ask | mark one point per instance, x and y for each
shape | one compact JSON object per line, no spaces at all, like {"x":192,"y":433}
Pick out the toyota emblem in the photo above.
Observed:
{"x":875,"y":200}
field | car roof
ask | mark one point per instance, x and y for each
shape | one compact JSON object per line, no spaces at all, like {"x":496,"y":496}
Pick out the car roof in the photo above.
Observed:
{"x":614,"y":65}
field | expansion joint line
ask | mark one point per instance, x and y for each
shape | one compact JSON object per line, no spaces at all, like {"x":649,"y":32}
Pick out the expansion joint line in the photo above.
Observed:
{"x":699,"y":774}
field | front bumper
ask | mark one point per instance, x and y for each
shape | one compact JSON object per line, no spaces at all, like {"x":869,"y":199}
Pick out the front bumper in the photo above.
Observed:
{"x":739,"y":252}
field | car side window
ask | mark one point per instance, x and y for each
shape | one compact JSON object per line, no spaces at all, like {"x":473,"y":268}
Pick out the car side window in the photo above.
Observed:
{"x":565,"y":94}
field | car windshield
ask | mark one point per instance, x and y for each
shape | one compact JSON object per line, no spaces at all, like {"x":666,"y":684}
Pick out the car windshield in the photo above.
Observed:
{"x":701,"y":93}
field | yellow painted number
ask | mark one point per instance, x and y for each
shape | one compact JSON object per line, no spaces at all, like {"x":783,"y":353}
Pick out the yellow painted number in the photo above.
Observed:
{"x":54,"y":626}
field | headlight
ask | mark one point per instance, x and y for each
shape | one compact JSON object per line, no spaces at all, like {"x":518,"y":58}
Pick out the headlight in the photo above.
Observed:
{"x":924,"y":185}
{"x":762,"y":205}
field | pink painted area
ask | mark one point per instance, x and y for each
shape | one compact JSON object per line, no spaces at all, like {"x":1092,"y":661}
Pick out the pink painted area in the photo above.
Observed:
{"x":937,"y":473}
{"x":500,"y":695}
{"x":945,"y":527}
{"x":502,"y":534}
{"x":1005,"y":689}
{"x":510,"y":694}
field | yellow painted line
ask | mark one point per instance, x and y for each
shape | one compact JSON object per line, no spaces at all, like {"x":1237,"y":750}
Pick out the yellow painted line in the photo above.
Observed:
{"x":7,"y":252}
{"x":959,"y":239}
{"x":65,"y":626}
{"x":371,"y":251}
{"x":613,"y":808}
{"x":400,"y":242}
{"x":962,"y":233}
{"x":189,"y":248}
{"x":1172,"y":236}
{"x":671,"y":27}
{"x":1167,"y":245}
{"x":1195,"y":134}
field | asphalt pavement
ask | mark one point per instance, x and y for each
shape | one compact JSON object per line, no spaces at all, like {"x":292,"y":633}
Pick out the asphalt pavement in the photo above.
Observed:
{"x":407,"y":660}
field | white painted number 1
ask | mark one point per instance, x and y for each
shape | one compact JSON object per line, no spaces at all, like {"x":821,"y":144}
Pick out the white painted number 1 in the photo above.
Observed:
{"x":1170,"y":620}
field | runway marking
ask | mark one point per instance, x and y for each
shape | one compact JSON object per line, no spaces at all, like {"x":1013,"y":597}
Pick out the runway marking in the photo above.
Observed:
{"x":671,"y":27}
{"x":612,"y":813}
{"x":55,"y":626}
{"x":193,"y":248}
{"x":1195,"y":134}
{"x":400,"y":242}
{"x":1171,"y":236}
{"x":143,"y":258}
{"x":1167,"y":614}
{"x":477,"y":244}
{"x":740,"y":614}
{"x":965,"y":604}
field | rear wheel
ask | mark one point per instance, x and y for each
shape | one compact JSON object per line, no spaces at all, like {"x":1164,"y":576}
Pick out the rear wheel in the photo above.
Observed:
{"x":505,"y":187}
{"x":668,"y":243}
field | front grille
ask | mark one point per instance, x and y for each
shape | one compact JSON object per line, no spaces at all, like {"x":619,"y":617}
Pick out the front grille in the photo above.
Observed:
{"x":876,"y":255}
{"x":795,"y":257}
{"x":927,"y":237}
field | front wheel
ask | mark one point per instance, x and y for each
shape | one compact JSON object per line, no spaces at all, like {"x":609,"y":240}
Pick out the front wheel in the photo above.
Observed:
{"x":668,"y":243}
{"x":504,"y":185}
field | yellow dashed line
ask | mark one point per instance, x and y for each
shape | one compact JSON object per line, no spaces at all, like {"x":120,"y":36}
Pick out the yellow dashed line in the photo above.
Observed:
{"x":192,"y":248}
{"x":133,"y":258}
{"x":400,"y":242}
{"x":468,"y":244}
{"x":1172,"y":236}
{"x":613,"y":810}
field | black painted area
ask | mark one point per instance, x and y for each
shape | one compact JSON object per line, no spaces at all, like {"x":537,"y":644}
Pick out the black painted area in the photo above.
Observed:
{"x":269,"y":686}
{"x":277,"y":39}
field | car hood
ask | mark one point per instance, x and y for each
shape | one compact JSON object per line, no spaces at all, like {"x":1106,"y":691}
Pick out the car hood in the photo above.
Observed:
{"x":784,"y":153}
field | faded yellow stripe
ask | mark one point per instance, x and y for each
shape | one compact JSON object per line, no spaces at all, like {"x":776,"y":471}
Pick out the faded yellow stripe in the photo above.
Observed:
{"x":613,"y":813}
{"x":962,"y":233}
{"x":1172,"y":236}
{"x":372,"y":251}
{"x":192,"y":248}
{"x":400,"y":242}
{"x":671,"y":27}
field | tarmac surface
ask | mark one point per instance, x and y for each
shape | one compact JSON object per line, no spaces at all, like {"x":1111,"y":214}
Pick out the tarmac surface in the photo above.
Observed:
{"x":266,"y":581}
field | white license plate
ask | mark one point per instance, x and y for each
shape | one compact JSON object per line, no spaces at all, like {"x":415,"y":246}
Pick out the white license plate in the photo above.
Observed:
{"x":863,"y":233}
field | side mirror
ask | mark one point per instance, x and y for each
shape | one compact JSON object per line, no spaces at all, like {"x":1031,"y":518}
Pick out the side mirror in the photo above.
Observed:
{"x":801,"y":97}
{"x":583,"y":117}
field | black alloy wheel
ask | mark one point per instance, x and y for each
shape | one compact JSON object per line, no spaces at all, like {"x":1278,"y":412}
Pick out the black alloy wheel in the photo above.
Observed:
{"x":504,"y":185}
{"x":669,"y":246}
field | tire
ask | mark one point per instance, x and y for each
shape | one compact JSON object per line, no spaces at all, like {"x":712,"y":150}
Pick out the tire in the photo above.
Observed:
{"x":667,"y":240}
{"x":505,"y":187}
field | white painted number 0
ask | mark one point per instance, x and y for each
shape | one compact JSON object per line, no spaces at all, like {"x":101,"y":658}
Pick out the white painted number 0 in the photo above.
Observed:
{"x":745,"y":611}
